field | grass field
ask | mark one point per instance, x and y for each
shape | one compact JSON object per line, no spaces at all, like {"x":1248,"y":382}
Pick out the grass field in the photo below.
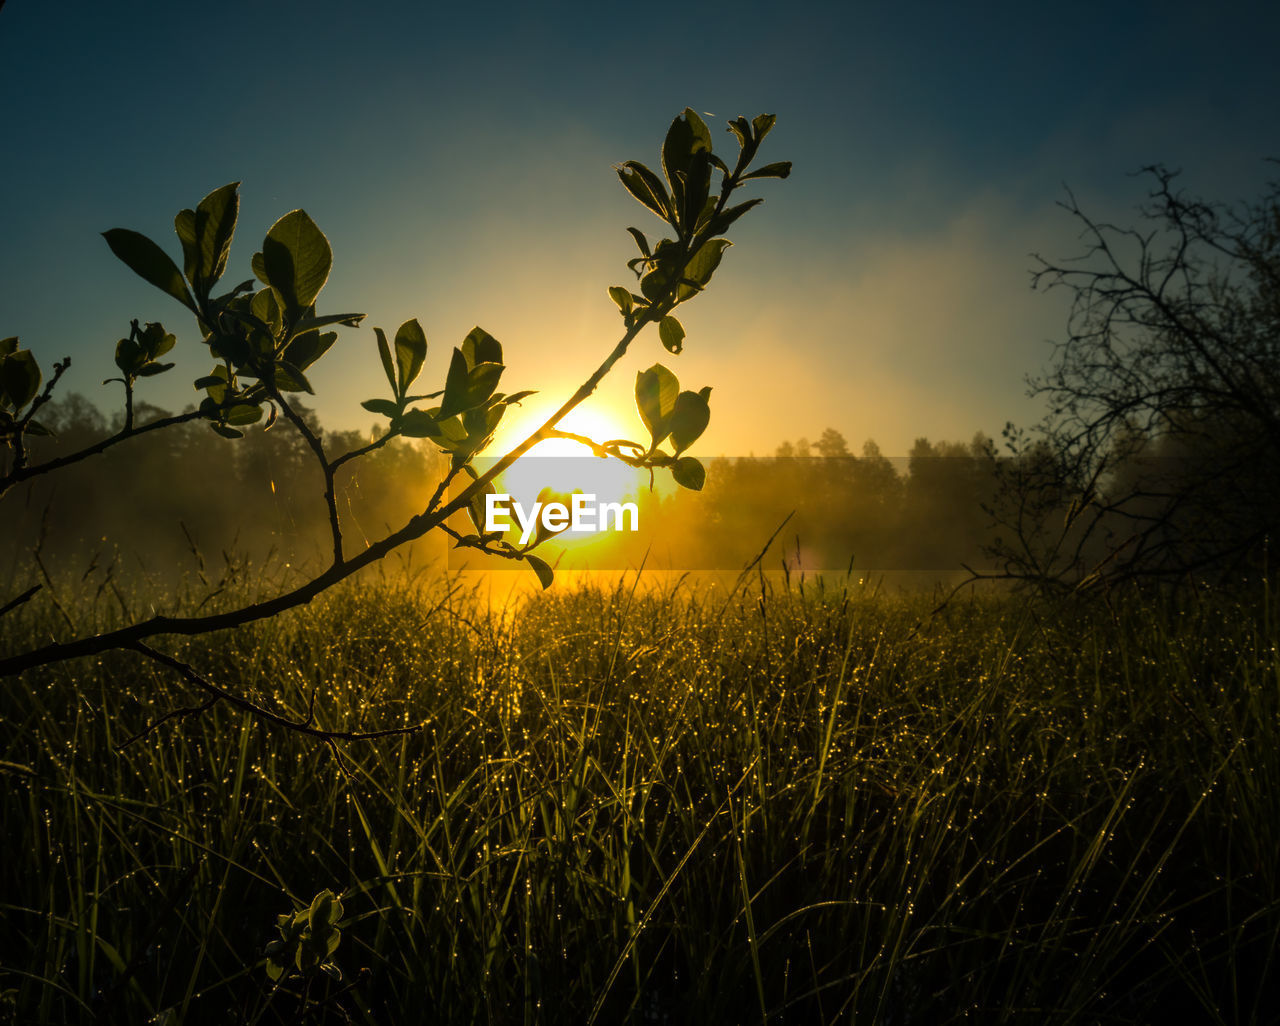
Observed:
{"x":782,"y":806}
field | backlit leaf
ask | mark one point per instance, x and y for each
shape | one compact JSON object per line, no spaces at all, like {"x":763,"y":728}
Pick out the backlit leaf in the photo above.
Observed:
{"x":383,"y":407}
{"x":128,"y":356}
{"x":307,"y":348}
{"x":779,"y":170}
{"x":656,"y":392}
{"x":297,"y":259}
{"x":19,"y":378}
{"x":215,"y":225}
{"x":243,"y":413}
{"x":689,"y":473}
{"x":411,"y":351}
{"x":481,"y":347}
{"x":418,"y":424}
{"x":384,"y":353}
{"x":647,"y":187}
{"x":540,"y":567}
{"x":150,"y":262}
{"x":671,"y":332}
{"x":700,"y":268}
{"x":690,"y":418}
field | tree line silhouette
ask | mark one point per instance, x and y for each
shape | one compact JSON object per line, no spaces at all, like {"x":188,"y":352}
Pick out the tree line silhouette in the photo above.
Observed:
{"x":196,"y":503}
{"x":187,"y":501}
{"x":179,"y":504}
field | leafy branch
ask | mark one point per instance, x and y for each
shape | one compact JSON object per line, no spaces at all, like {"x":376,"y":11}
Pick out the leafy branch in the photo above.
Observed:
{"x":264,"y":340}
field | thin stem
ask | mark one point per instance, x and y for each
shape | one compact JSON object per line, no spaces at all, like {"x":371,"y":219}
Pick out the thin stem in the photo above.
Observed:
{"x":317,"y":447}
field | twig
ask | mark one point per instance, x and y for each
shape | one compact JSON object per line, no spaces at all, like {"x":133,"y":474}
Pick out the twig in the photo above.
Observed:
{"x":25,"y":597}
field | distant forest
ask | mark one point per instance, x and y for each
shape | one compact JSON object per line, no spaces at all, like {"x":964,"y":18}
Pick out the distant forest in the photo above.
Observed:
{"x":185,"y":501}
{"x":188,"y":501}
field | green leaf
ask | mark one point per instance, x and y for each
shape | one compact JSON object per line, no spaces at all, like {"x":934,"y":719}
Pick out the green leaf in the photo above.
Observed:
{"x":8,"y":345}
{"x":258,"y":266}
{"x":19,"y":378}
{"x":687,"y":136}
{"x":156,"y":341}
{"x":150,"y":370}
{"x":656,"y":392}
{"x":641,"y":241}
{"x":761,"y":125}
{"x":671,"y":331}
{"x":540,"y":567}
{"x":467,"y":387}
{"x":325,"y":908}
{"x":418,"y":424}
{"x":666,"y":258}
{"x":34,"y":427}
{"x":226,"y":432}
{"x":622,"y":297}
{"x":452,"y":435}
{"x":481,"y":347}
{"x":388,"y":368}
{"x":149,"y":262}
{"x":289,"y":378}
{"x":185,"y":226}
{"x":305,"y":957}
{"x":243,"y":413}
{"x":689,"y":473}
{"x":700,"y":268}
{"x":647,"y":187}
{"x":215,"y":383}
{"x":481,"y":421}
{"x":215,"y":225}
{"x":265,"y":308}
{"x":411,"y":351}
{"x":482,"y":382}
{"x":690,"y":418}
{"x":779,"y":170}
{"x":695,"y":201}
{"x":307,"y":348}
{"x":350,"y":320}
{"x":730,"y":214}
{"x":226,"y":297}
{"x":129,"y":356}
{"x":297,"y":259}
{"x":383,"y":407}
{"x":455,"y":385}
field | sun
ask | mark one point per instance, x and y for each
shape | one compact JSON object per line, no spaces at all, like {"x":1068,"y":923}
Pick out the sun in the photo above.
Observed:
{"x":565,"y":465}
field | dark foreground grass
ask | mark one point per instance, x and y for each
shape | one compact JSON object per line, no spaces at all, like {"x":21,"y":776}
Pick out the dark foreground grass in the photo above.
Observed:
{"x":644,"y":808}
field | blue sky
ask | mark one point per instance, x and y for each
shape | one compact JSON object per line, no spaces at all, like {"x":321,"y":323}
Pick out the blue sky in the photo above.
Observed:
{"x":460,"y":163}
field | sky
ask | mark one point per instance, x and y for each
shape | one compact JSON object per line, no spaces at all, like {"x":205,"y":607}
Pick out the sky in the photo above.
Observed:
{"x":460,"y":162}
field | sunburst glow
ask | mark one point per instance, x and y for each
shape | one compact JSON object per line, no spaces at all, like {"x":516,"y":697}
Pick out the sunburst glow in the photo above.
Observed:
{"x":565,"y":465}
